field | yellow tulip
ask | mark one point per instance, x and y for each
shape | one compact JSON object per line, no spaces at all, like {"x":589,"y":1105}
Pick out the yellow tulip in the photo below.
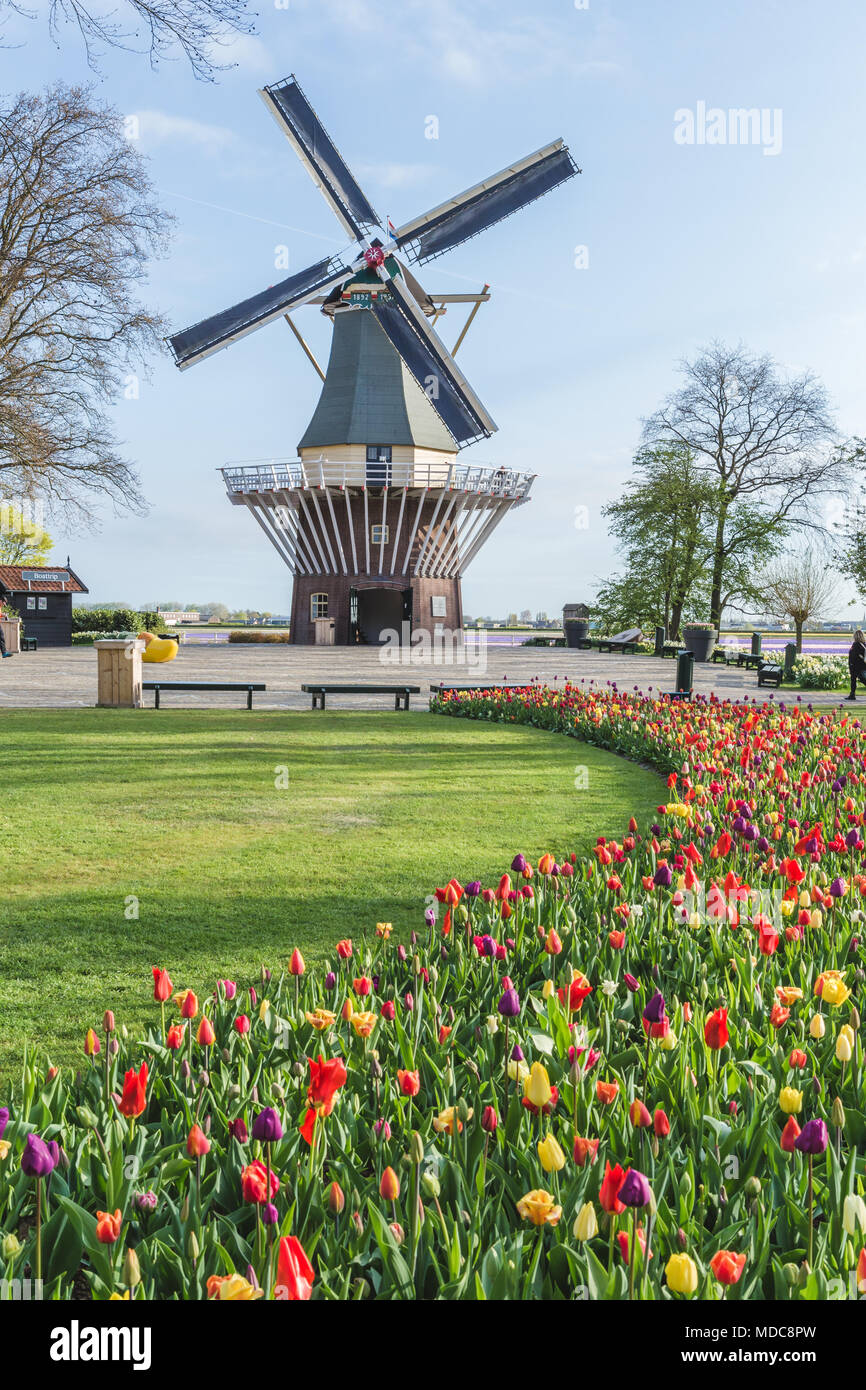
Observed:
{"x":817,"y":1026}
{"x":846,"y":1031}
{"x":669,"y":1041}
{"x":536,"y":1087}
{"x":551,"y":1155}
{"x":681,"y":1273}
{"x":844,"y":1051}
{"x":363,"y":1023}
{"x":835,"y":991}
{"x":547,"y":989}
{"x":264,"y":1009}
{"x":805,"y":900}
{"x":517,"y":1071}
{"x":790,"y":1100}
{"x":232,"y":1288}
{"x":539,"y":1207}
{"x":585,"y":1225}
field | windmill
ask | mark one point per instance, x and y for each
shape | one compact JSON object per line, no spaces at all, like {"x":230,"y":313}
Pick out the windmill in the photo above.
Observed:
{"x":376,"y":518}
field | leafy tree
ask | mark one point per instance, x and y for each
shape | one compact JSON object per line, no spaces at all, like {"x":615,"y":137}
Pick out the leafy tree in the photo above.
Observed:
{"x":78,"y":223}
{"x":661,"y":522}
{"x":197,"y":27}
{"x":767,"y":445}
{"x":22,"y":541}
{"x":799,"y":587}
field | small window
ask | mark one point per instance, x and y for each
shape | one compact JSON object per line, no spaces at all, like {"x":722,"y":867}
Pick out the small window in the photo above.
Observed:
{"x":31,"y":604}
{"x":43,"y":605}
{"x":380,"y":533}
{"x":378,"y":465}
{"x":318,"y":606}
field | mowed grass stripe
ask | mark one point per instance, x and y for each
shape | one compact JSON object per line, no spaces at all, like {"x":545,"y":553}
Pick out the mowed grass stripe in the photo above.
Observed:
{"x":180,"y":810}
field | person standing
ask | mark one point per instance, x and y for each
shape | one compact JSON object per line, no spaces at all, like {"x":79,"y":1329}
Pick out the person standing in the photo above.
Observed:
{"x":3,"y":651}
{"x":857,"y":662}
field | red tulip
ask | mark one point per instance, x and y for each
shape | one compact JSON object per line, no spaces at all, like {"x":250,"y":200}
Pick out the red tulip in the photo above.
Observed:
{"x":716,"y":1030}
{"x":295,"y":1274}
{"x":134,"y":1097}
{"x":162,"y":985}
{"x":727,"y":1266}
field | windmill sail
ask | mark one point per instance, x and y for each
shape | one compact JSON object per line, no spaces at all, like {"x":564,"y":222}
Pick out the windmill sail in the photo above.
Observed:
{"x":432,"y":366}
{"x":490,"y":201}
{"x":320,"y":156}
{"x":199,"y":341}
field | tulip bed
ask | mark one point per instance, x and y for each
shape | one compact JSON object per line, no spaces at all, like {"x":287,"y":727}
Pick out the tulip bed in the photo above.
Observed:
{"x":634,"y":1074}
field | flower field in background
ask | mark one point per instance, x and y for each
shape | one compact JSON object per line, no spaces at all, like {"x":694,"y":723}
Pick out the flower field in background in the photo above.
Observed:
{"x":636,"y":1074}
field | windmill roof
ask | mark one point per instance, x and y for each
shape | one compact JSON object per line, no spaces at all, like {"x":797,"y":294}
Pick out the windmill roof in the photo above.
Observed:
{"x":369,"y":396}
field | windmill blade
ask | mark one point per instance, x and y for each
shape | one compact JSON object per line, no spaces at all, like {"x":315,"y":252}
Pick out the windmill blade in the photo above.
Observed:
{"x":320,"y":156}
{"x":460,"y":218}
{"x":199,"y":341}
{"x":432,"y":366}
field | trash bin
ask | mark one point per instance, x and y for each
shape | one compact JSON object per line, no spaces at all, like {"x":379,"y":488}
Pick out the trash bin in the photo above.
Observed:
{"x":790,"y":658}
{"x":685,"y":672}
{"x":660,"y":642}
{"x":756,"y":644}
{"x":118,"y":673}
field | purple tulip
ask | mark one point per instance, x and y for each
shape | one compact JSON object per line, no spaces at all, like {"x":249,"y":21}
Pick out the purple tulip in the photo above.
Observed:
{"x":270,"y":1215}
{"x":146,"y":1201}
{"x":635,"y":1191}
{"x":631,"y":982}
{"x":663,"y":878}
{"x":813,"y":1137}
{"x":517,"y":1053}
{"x":837,"y":888}
{"x":473,"y":889}
{"x":39,"y":1159}
{"x":4,"y":1120}
{"x":488,"y":946}
{"x":266,"y":1126}
{"x":330,"y":980}
{"x":655,"y":1009}
{"x":851,"y":839}
{"x":509,"y":1004}
{"x":518,"y":864}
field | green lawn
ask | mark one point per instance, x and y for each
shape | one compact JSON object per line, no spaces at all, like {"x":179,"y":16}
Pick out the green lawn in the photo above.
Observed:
{"x":180,"y":810}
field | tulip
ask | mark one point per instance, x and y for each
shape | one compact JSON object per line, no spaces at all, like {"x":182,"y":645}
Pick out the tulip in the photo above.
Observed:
{"x":727,"y":1266}
{"x":844,"y":1051}
{"x":537,"y":1089}
{"x":635,"y":1190}
{"x":661,"y":1124}
{"x":410,"y":1082}
{"x":539,"y":1207}
{"x":389,"y":1186}
{"x":294,"y":1272}
{"x":509,"y":1003}
{"x":108,"y":1226}
{"x":551,"y":1155}
{"x":162,"y":985}
{"x":296,"y":964}
{"x":861,"y":1272}
{"x":681,"y":1274}
{"x":205,"y":1036}
{"x":196,"y":1143}
{"x":790,"y":1100}
{"x":585,"y":1149}
{"x":655,"y":1009}
{"x":609,"y":1192}
{"x":232,"y":1288}
{"x":134,"y":1098}
{"x":817,"y":1026}
{"x":266,"y":1126}
{"x":716,"y":1030}
{"x":853,"y":1214}
{"x":39,"y":1157}
{"x":489,"y":1119}
{"x":639,"y":1115}
{"x":813,"y":1138}
{"x":91,"y":1043}
{"x":787,"y":1141}
{"x":585,"y":1225}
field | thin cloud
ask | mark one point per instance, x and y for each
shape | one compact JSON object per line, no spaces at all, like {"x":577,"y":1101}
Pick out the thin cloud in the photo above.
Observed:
{"x":163,"y":128}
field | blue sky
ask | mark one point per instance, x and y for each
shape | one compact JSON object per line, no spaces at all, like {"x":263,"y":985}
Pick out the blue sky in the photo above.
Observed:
{"x":685,"y":244}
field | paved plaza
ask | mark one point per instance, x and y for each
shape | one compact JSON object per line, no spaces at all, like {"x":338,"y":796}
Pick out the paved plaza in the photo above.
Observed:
{"x":65,"y":677}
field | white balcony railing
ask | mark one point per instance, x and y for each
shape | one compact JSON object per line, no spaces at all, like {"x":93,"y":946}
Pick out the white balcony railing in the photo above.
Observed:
{"x":289,"y":475}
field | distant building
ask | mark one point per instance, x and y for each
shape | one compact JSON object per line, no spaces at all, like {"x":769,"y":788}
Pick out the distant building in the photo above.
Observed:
{"x":173,"y":618}
{"x":43,"y":599}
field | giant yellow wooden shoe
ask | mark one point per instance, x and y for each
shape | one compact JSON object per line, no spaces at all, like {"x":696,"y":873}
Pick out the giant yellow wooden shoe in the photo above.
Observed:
{"x":158,"y":648}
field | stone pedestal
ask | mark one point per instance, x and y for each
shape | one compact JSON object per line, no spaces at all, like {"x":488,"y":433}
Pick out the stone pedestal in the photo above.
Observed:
{"x":119,"y":673}
{"x":11,"y":633}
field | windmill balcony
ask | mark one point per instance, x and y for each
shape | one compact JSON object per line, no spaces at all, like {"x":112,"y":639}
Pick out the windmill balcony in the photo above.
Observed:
{"x":292,"y":475}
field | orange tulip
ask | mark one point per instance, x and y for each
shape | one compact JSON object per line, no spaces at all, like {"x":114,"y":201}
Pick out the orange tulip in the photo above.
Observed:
{"x":389,"y":1187}
{"x":197,"y":1143}
{"x":108,"y":1226}
{"x":727,"y":1266}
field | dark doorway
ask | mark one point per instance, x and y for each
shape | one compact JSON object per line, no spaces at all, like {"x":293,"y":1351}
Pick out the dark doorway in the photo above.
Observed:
{"x":380,"y":611}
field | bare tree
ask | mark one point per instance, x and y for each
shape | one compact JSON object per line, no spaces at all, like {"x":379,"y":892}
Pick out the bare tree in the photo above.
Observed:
{"x":78,"y":222}
{"x":196,"y":27}
{"x":799,"y":586}
{"x":767,"y":444}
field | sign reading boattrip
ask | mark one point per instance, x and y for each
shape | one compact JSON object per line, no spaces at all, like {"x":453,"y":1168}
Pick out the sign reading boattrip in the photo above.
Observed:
{"x":45,"y":576}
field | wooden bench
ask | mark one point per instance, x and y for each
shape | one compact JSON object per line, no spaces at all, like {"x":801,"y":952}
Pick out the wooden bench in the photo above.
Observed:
{"x":401,"y":693}
{"x":158,"y":686}
{"x":28,"y":644}
{"x":770,"y":673}
{"x":621,"y":641}
{"x":749,"y":660}
{"x":719,"y":654}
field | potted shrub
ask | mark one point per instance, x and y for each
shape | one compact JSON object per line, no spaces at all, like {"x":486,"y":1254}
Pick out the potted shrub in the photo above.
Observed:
{"x":699,"y":639}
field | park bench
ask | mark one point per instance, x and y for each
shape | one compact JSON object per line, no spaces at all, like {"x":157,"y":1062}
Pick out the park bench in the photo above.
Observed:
{"x":401,"y":693}
{"x":158,"y":686}
{"x":770,"y":673}
{"x":621,"y":641}
{"x":28,"y":644}
{"x":719,"y":654}
{"x":747,"y":659}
